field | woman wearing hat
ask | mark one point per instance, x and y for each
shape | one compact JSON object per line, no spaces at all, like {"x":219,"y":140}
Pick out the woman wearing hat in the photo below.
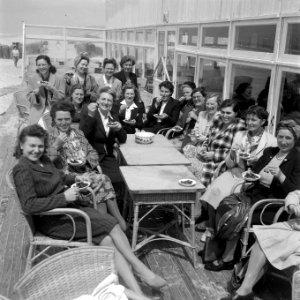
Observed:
{"x":44,"y":88}
{"x":82,"y":78}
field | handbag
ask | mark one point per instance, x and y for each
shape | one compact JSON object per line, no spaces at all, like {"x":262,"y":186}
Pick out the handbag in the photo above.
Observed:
{"x":213,"y":249}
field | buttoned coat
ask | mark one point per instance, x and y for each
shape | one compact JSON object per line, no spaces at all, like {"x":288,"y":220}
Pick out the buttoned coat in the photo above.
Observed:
{"x":122,"y":77}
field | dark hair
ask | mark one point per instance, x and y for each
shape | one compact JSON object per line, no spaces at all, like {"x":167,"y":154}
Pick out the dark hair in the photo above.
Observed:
{"x":168,"y":85}
{"x":130,"y":86}
{"x":125,"y":59}
{"x":108,"y":90}
{"x":214,"y":95}
{"x":80,"y":57}
{"x":190,"y":84}
{"x":260,"y":112}
{"x":242,"y":87}
{"x":34,"y":130}
{"x":110,"y":61}
{"x":74,"y":87}
{"x":230,"y":103}
{"x":200,"y":89}
{"x":63,"y":105}
{"x":52,"y":69}
{"x":290,"y":125}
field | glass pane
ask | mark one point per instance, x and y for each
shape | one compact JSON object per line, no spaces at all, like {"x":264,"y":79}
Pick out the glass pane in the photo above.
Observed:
{"x":289,"y":97}
{"x":131,"y":51}
{"x":186,"y":66}
{"x":215,"y":37}
{"x":116,"y":52}
{"x":259,"y":38}
{"x":150,"y":36}
{"x":131,"y":36}
{"x":123,"y":36}
{"x":293,"y":40}
{"x":250,"y":84}
{"x":139,"y":36}
{"x":85,"y":33}
{"x":212,"y":75}
{"x":123,"y":50}
{"x":44,"y":32}
{"x":139,"y":62}
{"x":161,"y":53}
{"x":149,"y":68}
{"x":170,"y":53}
{"x":109,"y":50}
{"x":188,"y":36}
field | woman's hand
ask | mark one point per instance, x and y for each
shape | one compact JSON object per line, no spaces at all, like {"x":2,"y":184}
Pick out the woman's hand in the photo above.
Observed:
{"x":276,"y":172}
{"x":130,"y":122}
{"x":71,"y":194}
{"x":123,"y":107}
{"x":192,"y":115}
{"x":92,"y":108}
{"x":207,"y":155}
{"x":163,"y":116}
{"x":60,"y":140}
{"x":116,"y":126}
{"x":252,"y":160}
{"x":47,"y":85}
{"x":294,"y":209}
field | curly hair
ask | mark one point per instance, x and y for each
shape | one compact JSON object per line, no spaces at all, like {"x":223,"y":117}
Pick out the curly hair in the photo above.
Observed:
{"x":47,"y":59}
{"x":217,"y":96}
{"x":110,"y":61}
{"x":168,"y":85}
{"x":260,"y":112}
{"x":64,"y":105}
{"x":107,"y":90}
{"x":130,"y":86}
{"x":290,"y":125}
{"x":34,"y":130}
{"x":125,"y":59}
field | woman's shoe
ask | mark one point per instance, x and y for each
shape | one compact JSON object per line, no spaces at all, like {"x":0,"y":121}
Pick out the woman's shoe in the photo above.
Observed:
{"x":155,"y":282}
{"x":239,"y":297}
{"x":222,"y":265}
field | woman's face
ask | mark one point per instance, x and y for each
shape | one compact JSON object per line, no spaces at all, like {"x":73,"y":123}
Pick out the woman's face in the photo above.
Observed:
{"x":77,"y":96}
{"x":33,"y":148}
{"x":43,"y":67}
{"x":211,"y":105}
{"x":129,"y":95}
{"x":254,"y":123}
{"x":285,"y":140}
{"x":63,"y":120}
{"x":198,"y":99}
{"x":127,"y":66}
{"x":248,"y":91}
{"x":82,"y":67}
{"x":228,"y":115}
{"x":165,"y":93}
{"x":187,"y":92}
{"x":105,"y":102}
{"x":109,"y":70}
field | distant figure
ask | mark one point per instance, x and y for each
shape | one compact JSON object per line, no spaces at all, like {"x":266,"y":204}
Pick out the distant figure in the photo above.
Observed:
{"x":15,"y":55}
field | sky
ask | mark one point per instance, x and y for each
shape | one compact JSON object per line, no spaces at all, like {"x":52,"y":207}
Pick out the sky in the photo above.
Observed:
{"x":78,"y":13}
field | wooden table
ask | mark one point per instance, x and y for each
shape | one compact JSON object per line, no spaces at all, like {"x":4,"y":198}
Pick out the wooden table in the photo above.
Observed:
{"x":160,"y":152}
{"x":156,"y":186}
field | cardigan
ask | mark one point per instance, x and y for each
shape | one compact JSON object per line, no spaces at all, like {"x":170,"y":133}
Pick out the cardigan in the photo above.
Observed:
{"x":116,"y":85}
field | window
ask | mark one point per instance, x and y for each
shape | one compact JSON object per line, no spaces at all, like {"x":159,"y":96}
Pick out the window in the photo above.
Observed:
{"x":131,"y":51}
{"x":293,"y":40}
{"x":139,"y":62}
{"x":109,"y":50}
{"x":139,"y":37}
{"x":259,"y":38}
{"x":289,"y":97}
{"x":130,"y":36}
{"x":212,"y":75}
{"x":215,"y":37}
{"x":255,"y":81}
{"x":123,"y":36}
{"x":161,"y":53}
{"x":188,"y":36}
{"x":149,"y":68}
{"x":150,"y":36}
{"x":170,"y":52}
{"x":186,"y":66}
{"x":123,"y":50}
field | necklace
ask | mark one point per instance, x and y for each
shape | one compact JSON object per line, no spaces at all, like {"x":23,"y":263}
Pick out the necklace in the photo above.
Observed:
{"x":278,"y":157}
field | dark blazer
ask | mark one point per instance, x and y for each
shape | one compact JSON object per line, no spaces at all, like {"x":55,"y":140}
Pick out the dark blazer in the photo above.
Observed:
{"x":94,"y":131}
{"x":291,"y":169}
{"x":121,"y":76}
{"x":172,"y":109}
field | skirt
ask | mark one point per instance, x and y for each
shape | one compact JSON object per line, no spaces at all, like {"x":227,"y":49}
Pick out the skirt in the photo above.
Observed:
{"x":280,"y":243}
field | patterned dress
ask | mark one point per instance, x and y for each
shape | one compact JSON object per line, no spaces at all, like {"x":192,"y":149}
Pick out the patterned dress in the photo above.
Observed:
{"x":77,"y":147}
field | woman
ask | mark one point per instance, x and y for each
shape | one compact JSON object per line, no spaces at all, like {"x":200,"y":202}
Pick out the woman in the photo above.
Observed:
{"x":218,"y":143}
{"x":67,"y":143}
{"x":77,"y":98}
{"x":255,"y":139}
{"x":40,"y":187}
{"x":82,"y":78}
{"x":279,"y":170}
{"x":243,"y":95}
{"x":277,"y":244}
{"x":203,"y":123}
{"x":107,"y":79}
{"x":164,"y":110}
{"x":44,"y":88}
{"x":131,"y":109}
{"x":187,"y":89}
{"x":126,"y":75}
{"x":101,"y":128}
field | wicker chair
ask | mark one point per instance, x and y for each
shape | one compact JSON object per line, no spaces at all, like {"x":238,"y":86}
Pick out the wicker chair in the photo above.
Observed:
{"x":22,"y":105}
{"x":38,"y":239}
{"x":67,"y":275}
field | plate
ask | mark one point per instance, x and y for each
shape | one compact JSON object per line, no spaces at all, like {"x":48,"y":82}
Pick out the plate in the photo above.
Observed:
{"x":87,"y":184}
{"x":112,"y":124}
{"x":244,"y":175}
{"x":244,"y":155}
{"x":177,"y":128}
{"x":75,"y":162}
{"x":187,"y":182}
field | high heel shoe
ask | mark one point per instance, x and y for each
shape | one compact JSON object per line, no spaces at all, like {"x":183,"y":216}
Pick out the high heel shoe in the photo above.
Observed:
{"x":155,"y":282}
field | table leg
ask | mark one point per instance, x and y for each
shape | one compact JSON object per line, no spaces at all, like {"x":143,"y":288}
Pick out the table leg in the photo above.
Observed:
{"x":125,"y":204}
{"x":135,"y":226}
{"x":193,"y":242}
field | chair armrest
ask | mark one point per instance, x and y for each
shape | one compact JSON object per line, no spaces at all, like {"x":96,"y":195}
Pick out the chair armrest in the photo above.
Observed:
{"x":73,"y":211}
{"x":163,"y":131}
{"x":218,"y":169}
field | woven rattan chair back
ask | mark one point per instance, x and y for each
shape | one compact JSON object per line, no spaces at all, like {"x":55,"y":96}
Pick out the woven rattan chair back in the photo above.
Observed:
{"x":67,"y":275}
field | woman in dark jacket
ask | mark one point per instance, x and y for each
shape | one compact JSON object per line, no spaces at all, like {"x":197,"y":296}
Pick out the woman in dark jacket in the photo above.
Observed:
{"x":41,"y":187}
{"x":126,"y":75}
{"x":279,"y":170}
